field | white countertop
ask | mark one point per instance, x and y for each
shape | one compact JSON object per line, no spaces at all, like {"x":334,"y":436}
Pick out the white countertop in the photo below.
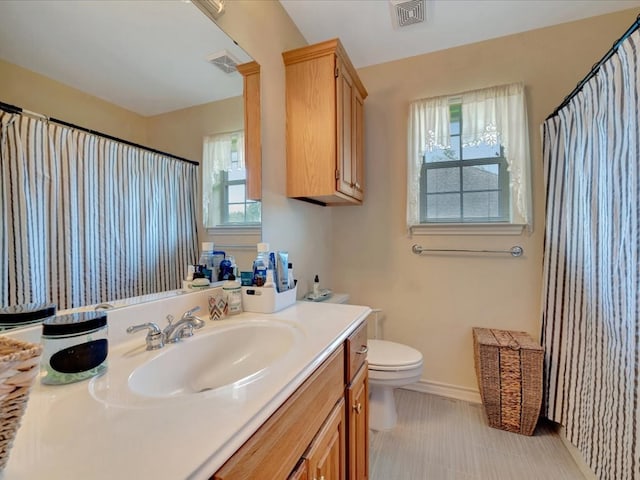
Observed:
{"x":93,"y":430}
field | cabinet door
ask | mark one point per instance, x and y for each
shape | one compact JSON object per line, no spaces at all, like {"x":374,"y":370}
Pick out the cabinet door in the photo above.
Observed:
{"x":345,"y":137}
{"x":326,"y":455}
{"x":358,"y":425}
{"x":301,"y":472}
{"x":357,"y":150}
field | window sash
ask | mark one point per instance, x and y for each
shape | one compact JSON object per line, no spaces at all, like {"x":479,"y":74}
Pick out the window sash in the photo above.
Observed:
{"x":503,"y":190}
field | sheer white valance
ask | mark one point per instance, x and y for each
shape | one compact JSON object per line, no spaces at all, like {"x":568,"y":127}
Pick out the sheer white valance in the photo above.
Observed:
{"x":494,"y":115}
{"x":216,"y":159}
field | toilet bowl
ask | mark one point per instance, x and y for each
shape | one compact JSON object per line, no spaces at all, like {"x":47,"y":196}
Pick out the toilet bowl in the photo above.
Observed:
{"x":391,"y":365}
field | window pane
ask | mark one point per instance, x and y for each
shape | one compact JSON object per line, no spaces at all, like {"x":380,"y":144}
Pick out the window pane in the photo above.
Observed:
{"x":443,"y":180}
{"x":481,"y":205}
{"x":237,"y":174}
{"x":453,"y":153}
{"x":236,"y":193}
{"x":253,"y":212}
{"x":480,"y":151}
{"x":440,"y":155}
{"x":236,"y":213}
{"x":443,"y":206}
{"x":481,"y":177}
{"x":454,"y":127}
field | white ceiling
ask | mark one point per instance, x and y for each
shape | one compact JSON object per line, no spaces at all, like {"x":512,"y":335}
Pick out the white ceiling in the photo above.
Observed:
{"x":148,"y":57}
{"x":365,"y":27}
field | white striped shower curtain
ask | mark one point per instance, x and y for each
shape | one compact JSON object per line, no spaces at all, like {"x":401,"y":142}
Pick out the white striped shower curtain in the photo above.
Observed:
{"x":85,"y":219}
{"x":591,"y":310}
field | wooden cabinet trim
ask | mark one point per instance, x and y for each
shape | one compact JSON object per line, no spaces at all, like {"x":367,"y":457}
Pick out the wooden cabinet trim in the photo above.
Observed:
{"x":333,"y":46}
{"x":291,"y":428}
{"x":355,"y":343}
{"x":358,"y":425}
{"x":326,"y":454}
{"x":252,"y":128}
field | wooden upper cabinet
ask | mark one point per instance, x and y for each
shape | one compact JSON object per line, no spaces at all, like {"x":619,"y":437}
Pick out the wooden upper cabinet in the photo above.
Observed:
{"x":325,"y":125}
{"x":252,"y":140}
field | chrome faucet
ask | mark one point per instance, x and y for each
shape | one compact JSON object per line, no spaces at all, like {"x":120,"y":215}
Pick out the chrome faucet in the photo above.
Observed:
{"x":154,"y":338}
{"x":182,"y":328}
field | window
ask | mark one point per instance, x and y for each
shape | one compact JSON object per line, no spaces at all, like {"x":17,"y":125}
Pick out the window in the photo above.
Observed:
{"x":225,"y":202}
{"x":469,"y":160}
{"x":464,"y":183}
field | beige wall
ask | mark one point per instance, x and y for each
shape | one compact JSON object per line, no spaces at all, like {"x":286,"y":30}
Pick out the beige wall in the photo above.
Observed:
{"x":31,"y":91}
{"x":432,"y":302}
{"x":264,"y":30}
{"x":180,"y":132}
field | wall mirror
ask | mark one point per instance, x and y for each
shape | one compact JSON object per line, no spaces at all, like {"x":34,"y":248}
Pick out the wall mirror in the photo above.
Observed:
{"x":152,"y":73}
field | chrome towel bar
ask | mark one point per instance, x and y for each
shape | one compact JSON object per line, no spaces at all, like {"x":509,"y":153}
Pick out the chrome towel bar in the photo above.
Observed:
{"x":515,"y":251}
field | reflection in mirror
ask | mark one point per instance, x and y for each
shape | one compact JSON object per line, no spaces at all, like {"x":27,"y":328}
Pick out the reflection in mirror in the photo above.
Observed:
{"x":145,"y":74}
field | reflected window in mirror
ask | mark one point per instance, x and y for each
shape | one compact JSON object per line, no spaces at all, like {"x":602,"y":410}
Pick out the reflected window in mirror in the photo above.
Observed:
{"x":225,"y":202}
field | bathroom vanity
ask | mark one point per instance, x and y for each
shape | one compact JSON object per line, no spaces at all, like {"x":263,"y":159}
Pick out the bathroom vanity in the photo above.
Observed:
{"x":272,"y":396}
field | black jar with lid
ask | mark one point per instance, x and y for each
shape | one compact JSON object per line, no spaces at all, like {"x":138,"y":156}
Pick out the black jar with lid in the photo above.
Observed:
{"x":25,"y":314}
{"x":75,"y":347}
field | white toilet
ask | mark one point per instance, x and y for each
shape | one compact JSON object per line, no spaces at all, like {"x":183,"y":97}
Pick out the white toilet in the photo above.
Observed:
{"x":391,"y":365}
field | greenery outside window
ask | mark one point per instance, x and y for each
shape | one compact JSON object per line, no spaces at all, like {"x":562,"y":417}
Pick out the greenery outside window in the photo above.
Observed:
{"x":225,"y":202}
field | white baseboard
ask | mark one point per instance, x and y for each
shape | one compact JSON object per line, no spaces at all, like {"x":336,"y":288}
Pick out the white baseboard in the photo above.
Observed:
{"x":446,"y":390}
{"x":576,"y":455}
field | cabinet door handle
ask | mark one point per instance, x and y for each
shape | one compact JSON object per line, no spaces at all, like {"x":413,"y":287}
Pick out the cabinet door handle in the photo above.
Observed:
{"x":357,"y":185}
{"x":363,"y":350}
{"x":357,"y":408}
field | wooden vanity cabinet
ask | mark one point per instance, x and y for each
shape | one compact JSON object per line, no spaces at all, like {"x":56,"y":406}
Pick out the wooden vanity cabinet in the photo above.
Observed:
{"x":357,"y":408}
{"x":316,"y":434}
{"x":325,"y":125}
{"x":326,"y":455}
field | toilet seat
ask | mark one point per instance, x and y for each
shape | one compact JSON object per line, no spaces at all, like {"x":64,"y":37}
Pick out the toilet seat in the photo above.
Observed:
{"x":386,"y":356}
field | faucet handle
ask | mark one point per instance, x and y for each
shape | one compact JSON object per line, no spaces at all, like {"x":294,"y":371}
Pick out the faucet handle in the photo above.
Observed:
{"x":189,"y":313}
{"x":154,"y":338}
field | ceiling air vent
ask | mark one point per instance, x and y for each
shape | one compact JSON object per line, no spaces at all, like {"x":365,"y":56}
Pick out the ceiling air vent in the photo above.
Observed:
{"x":224,"y":61}
{"x":407,"y":12}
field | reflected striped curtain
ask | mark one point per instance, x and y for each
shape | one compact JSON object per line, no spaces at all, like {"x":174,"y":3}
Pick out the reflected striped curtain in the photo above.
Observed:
{"x":86,"y":219}
{"x":591,"y":310}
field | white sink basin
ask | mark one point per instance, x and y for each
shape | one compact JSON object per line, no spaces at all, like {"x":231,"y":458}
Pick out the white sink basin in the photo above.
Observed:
{"x":232,"y":356}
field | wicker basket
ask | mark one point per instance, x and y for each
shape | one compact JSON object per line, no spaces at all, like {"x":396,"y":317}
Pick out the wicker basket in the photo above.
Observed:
{"x":509,"y":370}
{"x":19,"y":366}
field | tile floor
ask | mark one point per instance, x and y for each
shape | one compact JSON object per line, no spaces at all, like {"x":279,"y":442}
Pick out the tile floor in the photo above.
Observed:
{"x":439,"y":438}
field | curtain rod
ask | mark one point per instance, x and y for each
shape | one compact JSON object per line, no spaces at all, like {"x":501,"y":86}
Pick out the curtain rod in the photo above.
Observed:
{"x":594,"y":70}
{"x":13,"y":109}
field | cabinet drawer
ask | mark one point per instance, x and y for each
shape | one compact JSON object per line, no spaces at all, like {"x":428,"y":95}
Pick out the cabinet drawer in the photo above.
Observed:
{"x":356,"y":353}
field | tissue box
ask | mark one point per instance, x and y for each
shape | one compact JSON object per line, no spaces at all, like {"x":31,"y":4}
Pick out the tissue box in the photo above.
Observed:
{"x":266,"y":300}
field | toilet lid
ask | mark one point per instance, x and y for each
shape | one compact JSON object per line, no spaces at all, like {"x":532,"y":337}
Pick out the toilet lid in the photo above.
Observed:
{"x":385,"y":355}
